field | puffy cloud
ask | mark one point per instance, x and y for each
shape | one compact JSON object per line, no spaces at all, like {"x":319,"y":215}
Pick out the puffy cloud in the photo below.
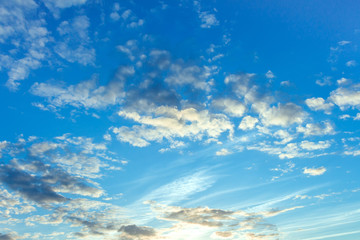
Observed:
{"x":188,"y":75}
{"x":342,"y":81}
{"x":311,"y":146}
{"x":20,"y":30}
{"x":346,"y":97}
{"x":63,"y":3}
{"x":314,"y":171}
{"x":137,"y":232}
{"x":240,"y":82}
{"x":319,"y":104}
{"x":208,"y":20}
{"x":231,"y":107}
{"x":284,"y":135}
{"x":283,"y":115}
{"x":269,"y":74}
{"x":290,"y":150}
{"x":55,"y":6}
{"x":248,"y":123}
{"x":169,"y":123}
{"x":74,"y":46}
{"x":44,"y":170}
{"x":223,"y":152}
{"x":316,"y":129}
{"x":85,"y":94}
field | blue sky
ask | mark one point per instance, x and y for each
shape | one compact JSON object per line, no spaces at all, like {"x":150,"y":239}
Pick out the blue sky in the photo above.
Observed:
{"x":149,"y":120}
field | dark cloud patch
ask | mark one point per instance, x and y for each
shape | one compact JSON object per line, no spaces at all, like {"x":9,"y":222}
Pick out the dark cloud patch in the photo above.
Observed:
{"x":31,"y":187}
{"x":137,"y":231}
{"x":41,"y":182}
{"x":6,"y":237}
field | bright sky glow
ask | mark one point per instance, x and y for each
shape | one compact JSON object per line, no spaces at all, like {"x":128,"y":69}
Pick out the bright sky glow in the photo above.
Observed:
{"x":178,"y":120}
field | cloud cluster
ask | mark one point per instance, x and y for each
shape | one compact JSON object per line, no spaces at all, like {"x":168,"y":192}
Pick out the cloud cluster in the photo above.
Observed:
{"x":170,"y":123}
{"x":86,"y":94}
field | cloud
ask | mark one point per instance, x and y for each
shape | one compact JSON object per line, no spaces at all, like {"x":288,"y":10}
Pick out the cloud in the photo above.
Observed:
{"x":316,"y":129}
{"x":74,"y":45}
{"x":283,"y":115}
{"x":188,"y":75}
{"x":248,"y":123}
{"x":346,"y":97}
{"x":203,"y":216}
{"x":342,"y":81}
{"x":85,"y":94}
{"x":208,"y":20}
{"x":231,"y":107}
{"x":33,"y":188}
{"x":137,"y":232}
{"x":223,"y":152}
{"x":20,"y":30}
{"x":324,"y":81}
{"x":290,"y":150}
{"x":342,"y":43}
{"x":169,"y":123}
{"x":351,"y":63}
{"x":6,"y":237}
{"x":269,"y":74}
{"x":55,"y":6}
{"x":311,"y":146}
{"x":181,"y":188}
{"x":284,"y":135}
{"x":43,"y":170}
{"x":319,"y":104}
{"x":275,"y":212}
{"x":11,"y":204}
{"x":314,"y":171}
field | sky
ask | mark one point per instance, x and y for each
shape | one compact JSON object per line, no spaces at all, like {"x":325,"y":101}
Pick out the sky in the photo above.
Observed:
{"x":178,"y":120}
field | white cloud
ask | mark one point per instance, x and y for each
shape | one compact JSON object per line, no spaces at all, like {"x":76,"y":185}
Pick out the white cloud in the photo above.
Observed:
{"x":346,"y":97}
{"x":316,"y":129}
{"x":128,"y":49}
{"x":55,"y":6}
{"x":283,"y":115}
{"x":357,"y":117}
{"x":285,"y":83}
{"x":188,"y":75}
{"x":81,"y":54}
{"x":311,"y":146}
{"x":85,"y":94}
{"x":136,"y":24}
{"x":344,"y":116}
{"x":270,"y":75}
{"x":290,"y":150}
{"x":343,"y":81}
{"x":248,"y":123}
{"x":232,"y":107}
{"x":284,"y":135}
{"x":319,"y":104}
{"x":208,"y":20}
{"x":314,"y":171}
{"x":74,"y":46}
{"x":223,"y":152}
{"x":342,"y":43}
{"x":324,"y":81}
{"x":351,"y":63}
{"x":168,"y":123}
{"x":20,"y":30}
